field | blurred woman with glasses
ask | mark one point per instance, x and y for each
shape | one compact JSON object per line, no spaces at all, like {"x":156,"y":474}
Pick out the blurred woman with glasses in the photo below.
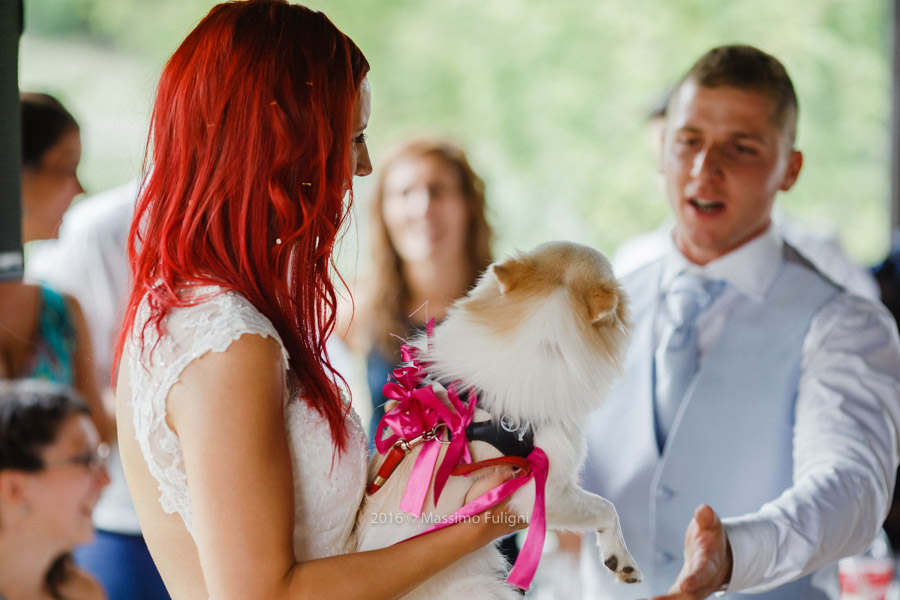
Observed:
{"x":52,"y":470}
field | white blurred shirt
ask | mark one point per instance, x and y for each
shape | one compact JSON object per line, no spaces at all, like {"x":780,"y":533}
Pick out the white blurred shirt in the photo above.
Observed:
{"x":89,"y":262}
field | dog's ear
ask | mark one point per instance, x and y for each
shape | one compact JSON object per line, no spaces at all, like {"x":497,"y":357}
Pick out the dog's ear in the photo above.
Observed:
{"x":508,"y":273}
{"x":601,"y":303}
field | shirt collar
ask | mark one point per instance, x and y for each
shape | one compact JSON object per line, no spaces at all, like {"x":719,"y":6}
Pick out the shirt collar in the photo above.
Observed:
{"x":750,"y":268}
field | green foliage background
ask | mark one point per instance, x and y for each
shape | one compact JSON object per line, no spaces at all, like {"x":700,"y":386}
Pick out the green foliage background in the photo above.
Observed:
{"x":549,"y":97}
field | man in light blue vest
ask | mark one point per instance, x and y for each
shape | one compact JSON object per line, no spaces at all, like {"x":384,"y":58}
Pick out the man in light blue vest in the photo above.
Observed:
{"x":753,"y":384}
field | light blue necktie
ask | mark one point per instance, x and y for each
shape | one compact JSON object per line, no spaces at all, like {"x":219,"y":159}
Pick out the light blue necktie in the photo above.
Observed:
{"x":677,"y":355}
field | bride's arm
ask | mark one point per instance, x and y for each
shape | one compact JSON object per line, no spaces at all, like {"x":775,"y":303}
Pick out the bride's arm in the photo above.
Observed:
{"x":228,"y":413}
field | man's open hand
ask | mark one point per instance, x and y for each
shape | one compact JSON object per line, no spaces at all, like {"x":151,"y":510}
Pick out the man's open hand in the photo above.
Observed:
{"x":707,"y":558}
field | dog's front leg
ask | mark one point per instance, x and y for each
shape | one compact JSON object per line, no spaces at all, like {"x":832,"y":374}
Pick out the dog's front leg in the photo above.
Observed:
{"x":573,"y":508}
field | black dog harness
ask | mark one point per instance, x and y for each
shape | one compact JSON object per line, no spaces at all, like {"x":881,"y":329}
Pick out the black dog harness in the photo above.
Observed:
{"x":508,"y":440}
{"x":508,"y":436}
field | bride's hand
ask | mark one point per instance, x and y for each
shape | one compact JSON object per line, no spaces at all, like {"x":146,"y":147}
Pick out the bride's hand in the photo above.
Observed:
{"x":499,"y":520}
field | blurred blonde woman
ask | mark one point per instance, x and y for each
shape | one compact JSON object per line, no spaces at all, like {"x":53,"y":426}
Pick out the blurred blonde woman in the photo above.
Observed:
{"x":430,"y":240}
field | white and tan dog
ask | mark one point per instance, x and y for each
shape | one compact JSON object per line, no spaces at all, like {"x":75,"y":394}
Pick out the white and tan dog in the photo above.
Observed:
{"x":539,"y":339}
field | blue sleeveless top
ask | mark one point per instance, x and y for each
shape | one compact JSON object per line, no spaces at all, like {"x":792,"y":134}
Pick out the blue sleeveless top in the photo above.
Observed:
{"x":54,"y":342}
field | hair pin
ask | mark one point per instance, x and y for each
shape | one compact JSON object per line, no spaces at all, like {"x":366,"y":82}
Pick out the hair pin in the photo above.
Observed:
{"x":306,"y":183}
{"x":277,"y":240}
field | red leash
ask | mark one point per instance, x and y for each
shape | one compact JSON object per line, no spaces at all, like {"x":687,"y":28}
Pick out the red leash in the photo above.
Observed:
{"x":521,"y":466}
{"x":396,"y":455}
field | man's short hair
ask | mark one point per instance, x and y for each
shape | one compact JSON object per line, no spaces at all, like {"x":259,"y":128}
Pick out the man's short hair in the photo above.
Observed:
{"x":752,"y":70}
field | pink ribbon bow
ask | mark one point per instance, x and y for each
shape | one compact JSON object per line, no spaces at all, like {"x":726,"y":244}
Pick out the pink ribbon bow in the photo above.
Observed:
{"x":419,"y":412}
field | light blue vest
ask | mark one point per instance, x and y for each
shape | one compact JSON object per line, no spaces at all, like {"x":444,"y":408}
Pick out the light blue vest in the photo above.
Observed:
{"x":731,"y":443}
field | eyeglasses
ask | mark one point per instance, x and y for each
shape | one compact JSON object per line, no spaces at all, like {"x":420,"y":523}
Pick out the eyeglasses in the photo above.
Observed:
{"x":93,"y":460}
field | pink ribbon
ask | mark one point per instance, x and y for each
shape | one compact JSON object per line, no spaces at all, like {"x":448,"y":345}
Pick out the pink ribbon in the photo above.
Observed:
{"x":414,"y":415}
{"x":417,"y":487}
{"x":529,"y":557}
{"x":457,"y":420}
{"x":418,"y":412}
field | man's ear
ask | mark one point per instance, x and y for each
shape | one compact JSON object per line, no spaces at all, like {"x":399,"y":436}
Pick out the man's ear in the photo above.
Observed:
{"x":660,"y":135}
{"x":792,"y":171}
{"x":12,"y":486}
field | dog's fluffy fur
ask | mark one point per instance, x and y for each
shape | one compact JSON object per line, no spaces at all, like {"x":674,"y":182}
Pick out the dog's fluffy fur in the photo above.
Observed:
{"x":540,"y":339}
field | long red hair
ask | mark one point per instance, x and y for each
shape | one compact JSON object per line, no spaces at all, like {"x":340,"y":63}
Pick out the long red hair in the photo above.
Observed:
{"x":249,"y":164}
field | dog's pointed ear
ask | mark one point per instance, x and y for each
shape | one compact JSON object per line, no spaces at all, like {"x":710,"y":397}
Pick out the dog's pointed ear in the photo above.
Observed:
{"x":601,"y":303}
{"x":508,"y":273}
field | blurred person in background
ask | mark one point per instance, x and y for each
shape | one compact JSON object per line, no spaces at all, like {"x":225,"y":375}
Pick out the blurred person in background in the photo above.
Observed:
{"x":430,"y":240}
{"x":43,"y":334}
{"x":88,"y":261}
{"x":887,"y":274}
{"x":51,"y":475}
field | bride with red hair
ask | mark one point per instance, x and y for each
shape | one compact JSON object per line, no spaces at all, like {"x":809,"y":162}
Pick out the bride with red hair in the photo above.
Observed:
{"x":246,"y":466}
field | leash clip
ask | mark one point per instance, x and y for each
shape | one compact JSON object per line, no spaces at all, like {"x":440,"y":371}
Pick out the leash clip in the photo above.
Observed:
{"x":398,"y":452}
{"x":426,"y":436}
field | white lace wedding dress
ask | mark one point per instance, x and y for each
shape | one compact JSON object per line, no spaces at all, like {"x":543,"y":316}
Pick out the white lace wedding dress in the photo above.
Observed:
{"x":326,"y":495}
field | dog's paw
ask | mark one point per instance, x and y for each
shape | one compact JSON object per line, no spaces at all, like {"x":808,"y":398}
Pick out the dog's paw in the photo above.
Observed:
{"x":623,"y":565}
{"x":627,"y":573}
{"x":616,"y":557}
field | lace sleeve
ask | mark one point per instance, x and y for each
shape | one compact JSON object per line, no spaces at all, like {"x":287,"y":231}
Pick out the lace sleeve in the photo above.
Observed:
{"x":157,"y":364}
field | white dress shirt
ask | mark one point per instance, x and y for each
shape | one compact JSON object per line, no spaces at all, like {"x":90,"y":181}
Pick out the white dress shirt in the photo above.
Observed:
{"x":823,"y":250}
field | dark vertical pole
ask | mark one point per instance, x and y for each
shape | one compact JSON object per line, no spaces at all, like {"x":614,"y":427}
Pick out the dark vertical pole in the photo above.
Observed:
{"x":11,"y":19}
{"x":895,"y":125}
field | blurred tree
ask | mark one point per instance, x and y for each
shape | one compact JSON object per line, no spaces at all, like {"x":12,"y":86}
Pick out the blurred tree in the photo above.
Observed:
{"x":550,"y":98}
